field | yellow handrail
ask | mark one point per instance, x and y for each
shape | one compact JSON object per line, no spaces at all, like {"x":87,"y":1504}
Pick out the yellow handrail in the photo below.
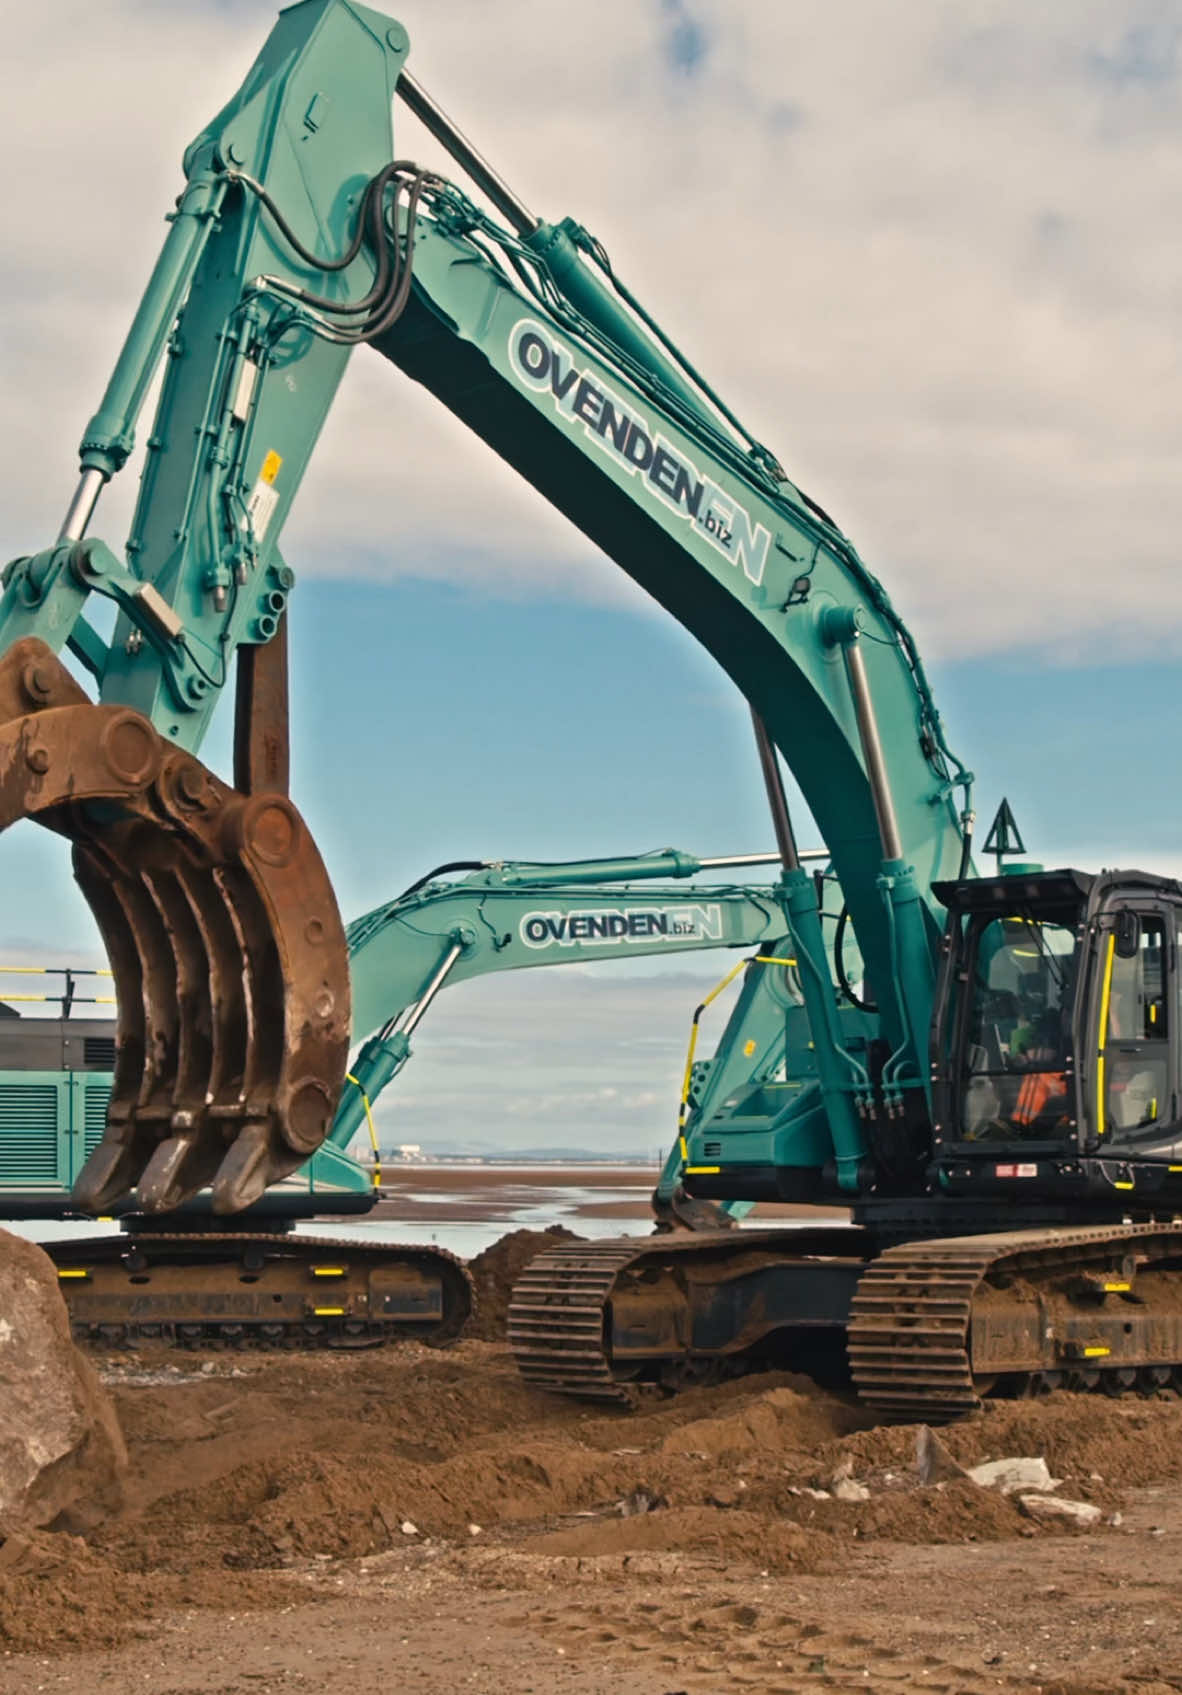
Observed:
{"x":55,"y":970}
{"x":373,"y":1134}
{"x":683,"y":1109}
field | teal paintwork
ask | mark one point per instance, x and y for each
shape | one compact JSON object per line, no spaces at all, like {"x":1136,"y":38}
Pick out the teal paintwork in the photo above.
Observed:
{"x":50,"y":1121}
{"x":537,"y":347}
{"x":516,"y":917}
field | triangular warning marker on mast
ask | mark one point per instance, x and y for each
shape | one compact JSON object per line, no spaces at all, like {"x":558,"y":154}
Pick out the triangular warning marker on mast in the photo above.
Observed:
{"x":1004,"y":835}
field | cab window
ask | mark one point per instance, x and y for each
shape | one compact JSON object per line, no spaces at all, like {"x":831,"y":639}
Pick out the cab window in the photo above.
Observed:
{"x":1014,"y":1082}
{"x":1134,"y":1040}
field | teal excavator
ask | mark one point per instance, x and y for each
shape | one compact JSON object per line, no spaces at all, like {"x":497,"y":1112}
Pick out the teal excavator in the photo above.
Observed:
{"x":187,"y":1277}
{"x":1007,"y":1138}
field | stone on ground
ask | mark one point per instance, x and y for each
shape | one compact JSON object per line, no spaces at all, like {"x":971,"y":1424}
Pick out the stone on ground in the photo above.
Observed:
{"x":1014,"y":1474}
{"x":933,"y":1461}
{"x":61,"y":1451}
{"x":1053,"y":1509}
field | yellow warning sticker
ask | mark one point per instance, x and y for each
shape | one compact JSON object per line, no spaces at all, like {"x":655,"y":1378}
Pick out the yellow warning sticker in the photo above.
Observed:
{"x":271,"y":466}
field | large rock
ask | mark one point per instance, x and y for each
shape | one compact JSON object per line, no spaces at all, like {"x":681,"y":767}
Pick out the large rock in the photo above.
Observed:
{"x":1053,"y":1509}
{"x":1011,"y":1475}
{"x":61,"y":1451}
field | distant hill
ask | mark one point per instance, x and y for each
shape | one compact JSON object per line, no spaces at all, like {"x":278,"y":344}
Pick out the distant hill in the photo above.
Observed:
{"x":491,"y":1155}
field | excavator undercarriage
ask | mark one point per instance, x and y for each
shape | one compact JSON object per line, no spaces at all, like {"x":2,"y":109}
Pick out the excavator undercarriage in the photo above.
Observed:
{"x":928,"y":1328}
{"x":198,"y":1288}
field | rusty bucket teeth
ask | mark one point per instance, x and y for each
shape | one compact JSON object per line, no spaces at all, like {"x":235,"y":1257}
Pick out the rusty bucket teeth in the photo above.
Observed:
{"x":244,"y":1173}
{"x":228,"y":951}
{"x":106,"y":1177}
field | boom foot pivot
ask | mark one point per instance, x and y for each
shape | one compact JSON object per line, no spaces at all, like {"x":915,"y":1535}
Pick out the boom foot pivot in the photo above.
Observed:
{"x":221,"y":927}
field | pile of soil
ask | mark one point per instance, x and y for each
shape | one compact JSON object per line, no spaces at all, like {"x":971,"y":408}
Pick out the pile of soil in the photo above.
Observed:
{"x":495,"y":1271}
{"x":252,"y":1476}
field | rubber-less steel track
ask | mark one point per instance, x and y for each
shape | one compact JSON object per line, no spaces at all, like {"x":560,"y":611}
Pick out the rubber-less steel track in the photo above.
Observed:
{"x":556,"y":1319}
{"x":932,"y":1326}
{"x":259,"y":1290}
{"x":911,"y":1325}
{"x":559,"y":1311}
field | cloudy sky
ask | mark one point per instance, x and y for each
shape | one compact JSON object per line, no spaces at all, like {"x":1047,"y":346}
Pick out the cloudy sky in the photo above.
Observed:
{"x":927,"y":251}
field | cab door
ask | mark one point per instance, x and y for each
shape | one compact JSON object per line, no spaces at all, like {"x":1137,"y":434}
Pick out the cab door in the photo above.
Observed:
{"x":1136,"y":1070}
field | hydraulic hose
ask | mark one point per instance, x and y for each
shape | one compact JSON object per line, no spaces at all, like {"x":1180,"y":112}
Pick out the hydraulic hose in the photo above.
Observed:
{"x":387,"y":298}
{"x":441,"y":871}
{"x":839,"y":966}
{"x":966,"y":851}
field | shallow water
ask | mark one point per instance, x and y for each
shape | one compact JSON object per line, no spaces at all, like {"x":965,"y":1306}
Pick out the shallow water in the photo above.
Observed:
{"x":466,"y":1214}
{"x":468,"y":1237}
{"x":519,"y":1204}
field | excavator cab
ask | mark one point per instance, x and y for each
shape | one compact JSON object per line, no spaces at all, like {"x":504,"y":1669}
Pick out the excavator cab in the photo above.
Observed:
{"x":1055,"y":1048}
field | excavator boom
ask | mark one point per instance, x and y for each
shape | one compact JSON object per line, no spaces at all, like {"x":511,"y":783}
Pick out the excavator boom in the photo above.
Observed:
{"x":298,"y":237}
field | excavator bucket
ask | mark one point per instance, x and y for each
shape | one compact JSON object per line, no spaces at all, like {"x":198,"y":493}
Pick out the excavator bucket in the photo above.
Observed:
{"x":222,"y":931}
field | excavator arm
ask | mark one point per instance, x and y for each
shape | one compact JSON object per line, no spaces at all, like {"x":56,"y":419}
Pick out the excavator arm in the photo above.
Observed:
{"x":512,"y":916}
{"x":299,"y":234}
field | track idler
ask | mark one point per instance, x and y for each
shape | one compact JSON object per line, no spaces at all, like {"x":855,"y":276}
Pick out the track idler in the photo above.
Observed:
{"x":222,"y":930}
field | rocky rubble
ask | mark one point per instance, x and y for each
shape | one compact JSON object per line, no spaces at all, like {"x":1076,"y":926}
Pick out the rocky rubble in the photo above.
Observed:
{"x":61,"y":1451}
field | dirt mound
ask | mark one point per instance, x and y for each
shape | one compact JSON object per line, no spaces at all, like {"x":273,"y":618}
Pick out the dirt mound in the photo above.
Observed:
{"x":61,"y":1451}
{"x":57,"y":1592}
{"x":790,"y":1421}
{"x":1083,"y":1438}
{"x":253,"y":1476}
{"x":732,"y":1536}
{"x":495,"y":1271}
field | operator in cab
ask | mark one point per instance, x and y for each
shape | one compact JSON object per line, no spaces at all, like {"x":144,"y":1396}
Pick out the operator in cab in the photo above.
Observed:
{"x":1016,"y":1070}
{"x":1035,"y":1048}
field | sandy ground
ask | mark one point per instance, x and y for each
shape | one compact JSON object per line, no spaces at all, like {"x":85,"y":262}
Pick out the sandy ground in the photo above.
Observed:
{"x":417,"y":1520}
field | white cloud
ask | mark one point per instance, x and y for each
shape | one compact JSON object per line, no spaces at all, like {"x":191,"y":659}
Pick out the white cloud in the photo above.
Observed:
{"x":551,"y":1058}
{"x":927,"y":252}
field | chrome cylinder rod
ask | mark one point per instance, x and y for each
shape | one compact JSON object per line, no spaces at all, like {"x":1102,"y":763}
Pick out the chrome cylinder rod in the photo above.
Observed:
{"x":412,"y":1014}
{"x":721,"y":861}
{"x":773,"y":782}
{"x":884,"y":805}
{"x":466,"y":156}
{"x":81,"y":509}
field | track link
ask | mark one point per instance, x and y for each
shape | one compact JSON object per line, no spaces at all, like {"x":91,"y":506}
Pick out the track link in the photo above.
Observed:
{"x":259,"y":1290}
{"x":931,"y":1327}
{"x":909,"y":1327}
{"x":912,"y":1347}
{"x":556,"y":1319}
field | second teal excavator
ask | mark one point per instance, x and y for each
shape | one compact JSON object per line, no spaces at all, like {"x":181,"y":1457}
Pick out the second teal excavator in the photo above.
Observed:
{"x":249,"y":1280}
